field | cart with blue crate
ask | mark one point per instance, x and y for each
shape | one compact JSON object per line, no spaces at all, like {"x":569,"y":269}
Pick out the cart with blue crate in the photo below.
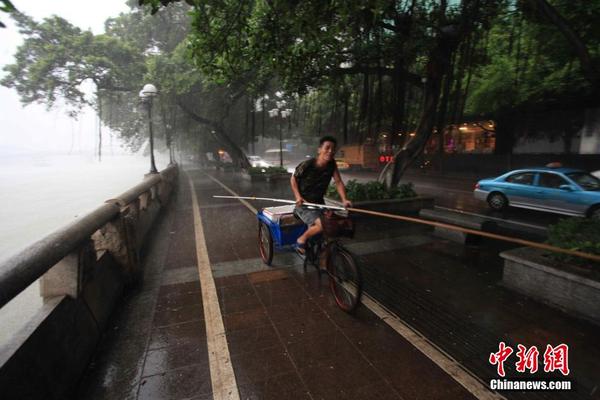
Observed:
{"x":278,"y":229}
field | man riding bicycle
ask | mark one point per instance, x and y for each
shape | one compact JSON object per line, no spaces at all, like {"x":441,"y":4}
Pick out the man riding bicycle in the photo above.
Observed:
{"x":309,"y":184}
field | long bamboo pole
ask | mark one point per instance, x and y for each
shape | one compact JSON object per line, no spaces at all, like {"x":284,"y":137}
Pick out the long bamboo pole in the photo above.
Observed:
{"x":524,"y":242}
{"x":529,"y":243}
{"x":324,"y":206}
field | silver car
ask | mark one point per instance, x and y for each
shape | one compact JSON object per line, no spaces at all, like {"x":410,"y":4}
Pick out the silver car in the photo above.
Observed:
{"x":257,"y":161}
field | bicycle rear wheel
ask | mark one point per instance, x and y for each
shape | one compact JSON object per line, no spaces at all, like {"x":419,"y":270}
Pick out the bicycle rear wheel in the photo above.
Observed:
{"x":345,"y":280}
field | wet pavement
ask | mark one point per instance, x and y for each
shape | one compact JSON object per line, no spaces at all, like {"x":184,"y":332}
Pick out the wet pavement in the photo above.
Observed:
{"x":286,"y":337}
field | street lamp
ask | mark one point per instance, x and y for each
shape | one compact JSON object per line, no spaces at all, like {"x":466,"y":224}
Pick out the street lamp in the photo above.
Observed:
{"x":147,"y":93}
{"x":283,"y":113}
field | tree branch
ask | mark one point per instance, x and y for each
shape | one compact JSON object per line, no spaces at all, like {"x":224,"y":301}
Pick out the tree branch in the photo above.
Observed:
{"x":549,"y":12}
{"x":391,"y":27}
{"x":194,"y":116}
{"x":412,"y":78}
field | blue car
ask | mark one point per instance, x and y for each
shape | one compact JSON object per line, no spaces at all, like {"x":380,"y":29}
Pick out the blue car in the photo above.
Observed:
{"x":559,"y":190}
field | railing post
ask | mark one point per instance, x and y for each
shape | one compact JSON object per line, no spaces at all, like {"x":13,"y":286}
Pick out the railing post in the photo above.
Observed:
{"x":68,"y":275}
{"x":145,"y":199}
{"x":118,"y":237}
{"x":129,"y":217}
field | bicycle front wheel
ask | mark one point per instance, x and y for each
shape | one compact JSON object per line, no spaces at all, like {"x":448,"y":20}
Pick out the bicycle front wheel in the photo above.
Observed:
{"x":345,"y":280}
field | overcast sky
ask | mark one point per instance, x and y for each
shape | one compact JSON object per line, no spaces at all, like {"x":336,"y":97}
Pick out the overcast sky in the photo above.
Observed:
{"x":32,"y":127}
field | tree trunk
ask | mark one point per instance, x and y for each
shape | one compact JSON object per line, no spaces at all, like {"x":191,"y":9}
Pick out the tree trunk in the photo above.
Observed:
{"x":398,"y":102}
{"x":364,"y":104}
{"x":356,"y":117}
{"x":379,"y":103}
{"x":463,"y":100}
{"x":567,"y":138}
{"x":345,"y":128}
{"x":246,"y":119}
{"x":439,"y":60}
{"x":172,"y":134}
{"x":263,"y":118}
{"x":253,"y":127}
{"x":505,"y":137}
{"x":218,"y":130}
{"x":334,"y":113}
{"x":99,"y":128}
{"x":369,"y":129}
{"x":460,"y":73}
{"x":320,"y":115}
{"x":443,"y":108}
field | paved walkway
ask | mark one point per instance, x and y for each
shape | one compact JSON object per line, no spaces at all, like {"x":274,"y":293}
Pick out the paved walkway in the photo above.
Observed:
{"x":283,"y":335}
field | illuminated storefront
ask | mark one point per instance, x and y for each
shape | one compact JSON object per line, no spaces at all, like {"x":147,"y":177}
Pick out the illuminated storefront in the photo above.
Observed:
{"x":473,"y":137}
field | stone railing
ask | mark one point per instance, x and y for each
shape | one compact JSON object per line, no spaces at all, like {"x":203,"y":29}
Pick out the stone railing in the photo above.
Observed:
{"x":84,"y":268}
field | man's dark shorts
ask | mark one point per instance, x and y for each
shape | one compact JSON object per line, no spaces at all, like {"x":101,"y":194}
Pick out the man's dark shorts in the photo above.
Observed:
{"x":308,"y":215}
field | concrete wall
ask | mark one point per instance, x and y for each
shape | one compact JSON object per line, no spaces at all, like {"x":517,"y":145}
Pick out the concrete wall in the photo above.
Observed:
{"x":543,"y":145}
{"x":590,"y":133}
{"x":47,"y":358}
{"x":527,"y":271}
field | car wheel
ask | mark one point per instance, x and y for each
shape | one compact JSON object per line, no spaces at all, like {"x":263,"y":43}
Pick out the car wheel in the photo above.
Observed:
{"x":497,"y":201}
{"x":595,"y":213}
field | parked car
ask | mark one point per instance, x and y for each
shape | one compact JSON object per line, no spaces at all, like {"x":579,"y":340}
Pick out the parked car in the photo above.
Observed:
{"x":559,"y":190}
{"x":257,"y":161}
{"x":342,"y":165}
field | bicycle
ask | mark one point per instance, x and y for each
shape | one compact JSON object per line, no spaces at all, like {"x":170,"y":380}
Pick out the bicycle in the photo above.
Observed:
{"x":279,"y":228}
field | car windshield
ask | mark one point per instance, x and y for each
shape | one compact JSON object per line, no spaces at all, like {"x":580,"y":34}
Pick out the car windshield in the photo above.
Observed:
{"x":585,"y":180}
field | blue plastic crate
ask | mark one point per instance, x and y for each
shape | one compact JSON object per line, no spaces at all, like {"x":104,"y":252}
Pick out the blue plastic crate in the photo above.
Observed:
{"x":284,"y":226}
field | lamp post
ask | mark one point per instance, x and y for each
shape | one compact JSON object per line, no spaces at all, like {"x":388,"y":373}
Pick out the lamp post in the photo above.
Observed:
{"x":170,"y":144}
{"x":283,"y":114}
{"x":147,"y":93}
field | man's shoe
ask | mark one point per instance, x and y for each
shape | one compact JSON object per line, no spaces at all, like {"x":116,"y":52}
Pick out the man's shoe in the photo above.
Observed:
{"x":300,"y":249}
{"x":323,"y":263}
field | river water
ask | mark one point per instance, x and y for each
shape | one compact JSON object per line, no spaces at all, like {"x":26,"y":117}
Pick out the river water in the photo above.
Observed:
{"x":40,"y":193}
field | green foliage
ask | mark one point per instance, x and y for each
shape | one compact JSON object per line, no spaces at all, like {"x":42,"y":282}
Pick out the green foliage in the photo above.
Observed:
{"x":582,"y":234}
{"x":526,"y":60}
{"x":512,"y":57}
{"x":372,"y":190}
{"x":303,"y":44}
{"x":266,"y":170}
{"x":56,"y":57}
{"x":7,"y":7}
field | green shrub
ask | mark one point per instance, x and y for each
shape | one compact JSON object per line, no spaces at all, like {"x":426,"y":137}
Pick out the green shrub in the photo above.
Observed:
{"x":582,"y":234}
{"x":266,"y":170}
{"x":373,"y":190}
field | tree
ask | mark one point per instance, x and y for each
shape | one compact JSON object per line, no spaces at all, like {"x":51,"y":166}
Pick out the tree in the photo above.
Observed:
{"x":57,"y":58}
{"x":528,"y":71}
{"x":185,"y":98}
{"x":306,"y":45}
{"x":205,"y":103}
{"x":588,"y":66}
{"x":6,"y":7}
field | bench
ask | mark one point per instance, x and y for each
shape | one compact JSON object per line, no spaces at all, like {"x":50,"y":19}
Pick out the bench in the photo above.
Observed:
{"x":459,"y":219}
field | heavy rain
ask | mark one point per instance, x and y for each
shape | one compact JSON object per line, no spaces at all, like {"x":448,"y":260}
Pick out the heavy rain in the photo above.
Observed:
{"x":300,"y":199}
